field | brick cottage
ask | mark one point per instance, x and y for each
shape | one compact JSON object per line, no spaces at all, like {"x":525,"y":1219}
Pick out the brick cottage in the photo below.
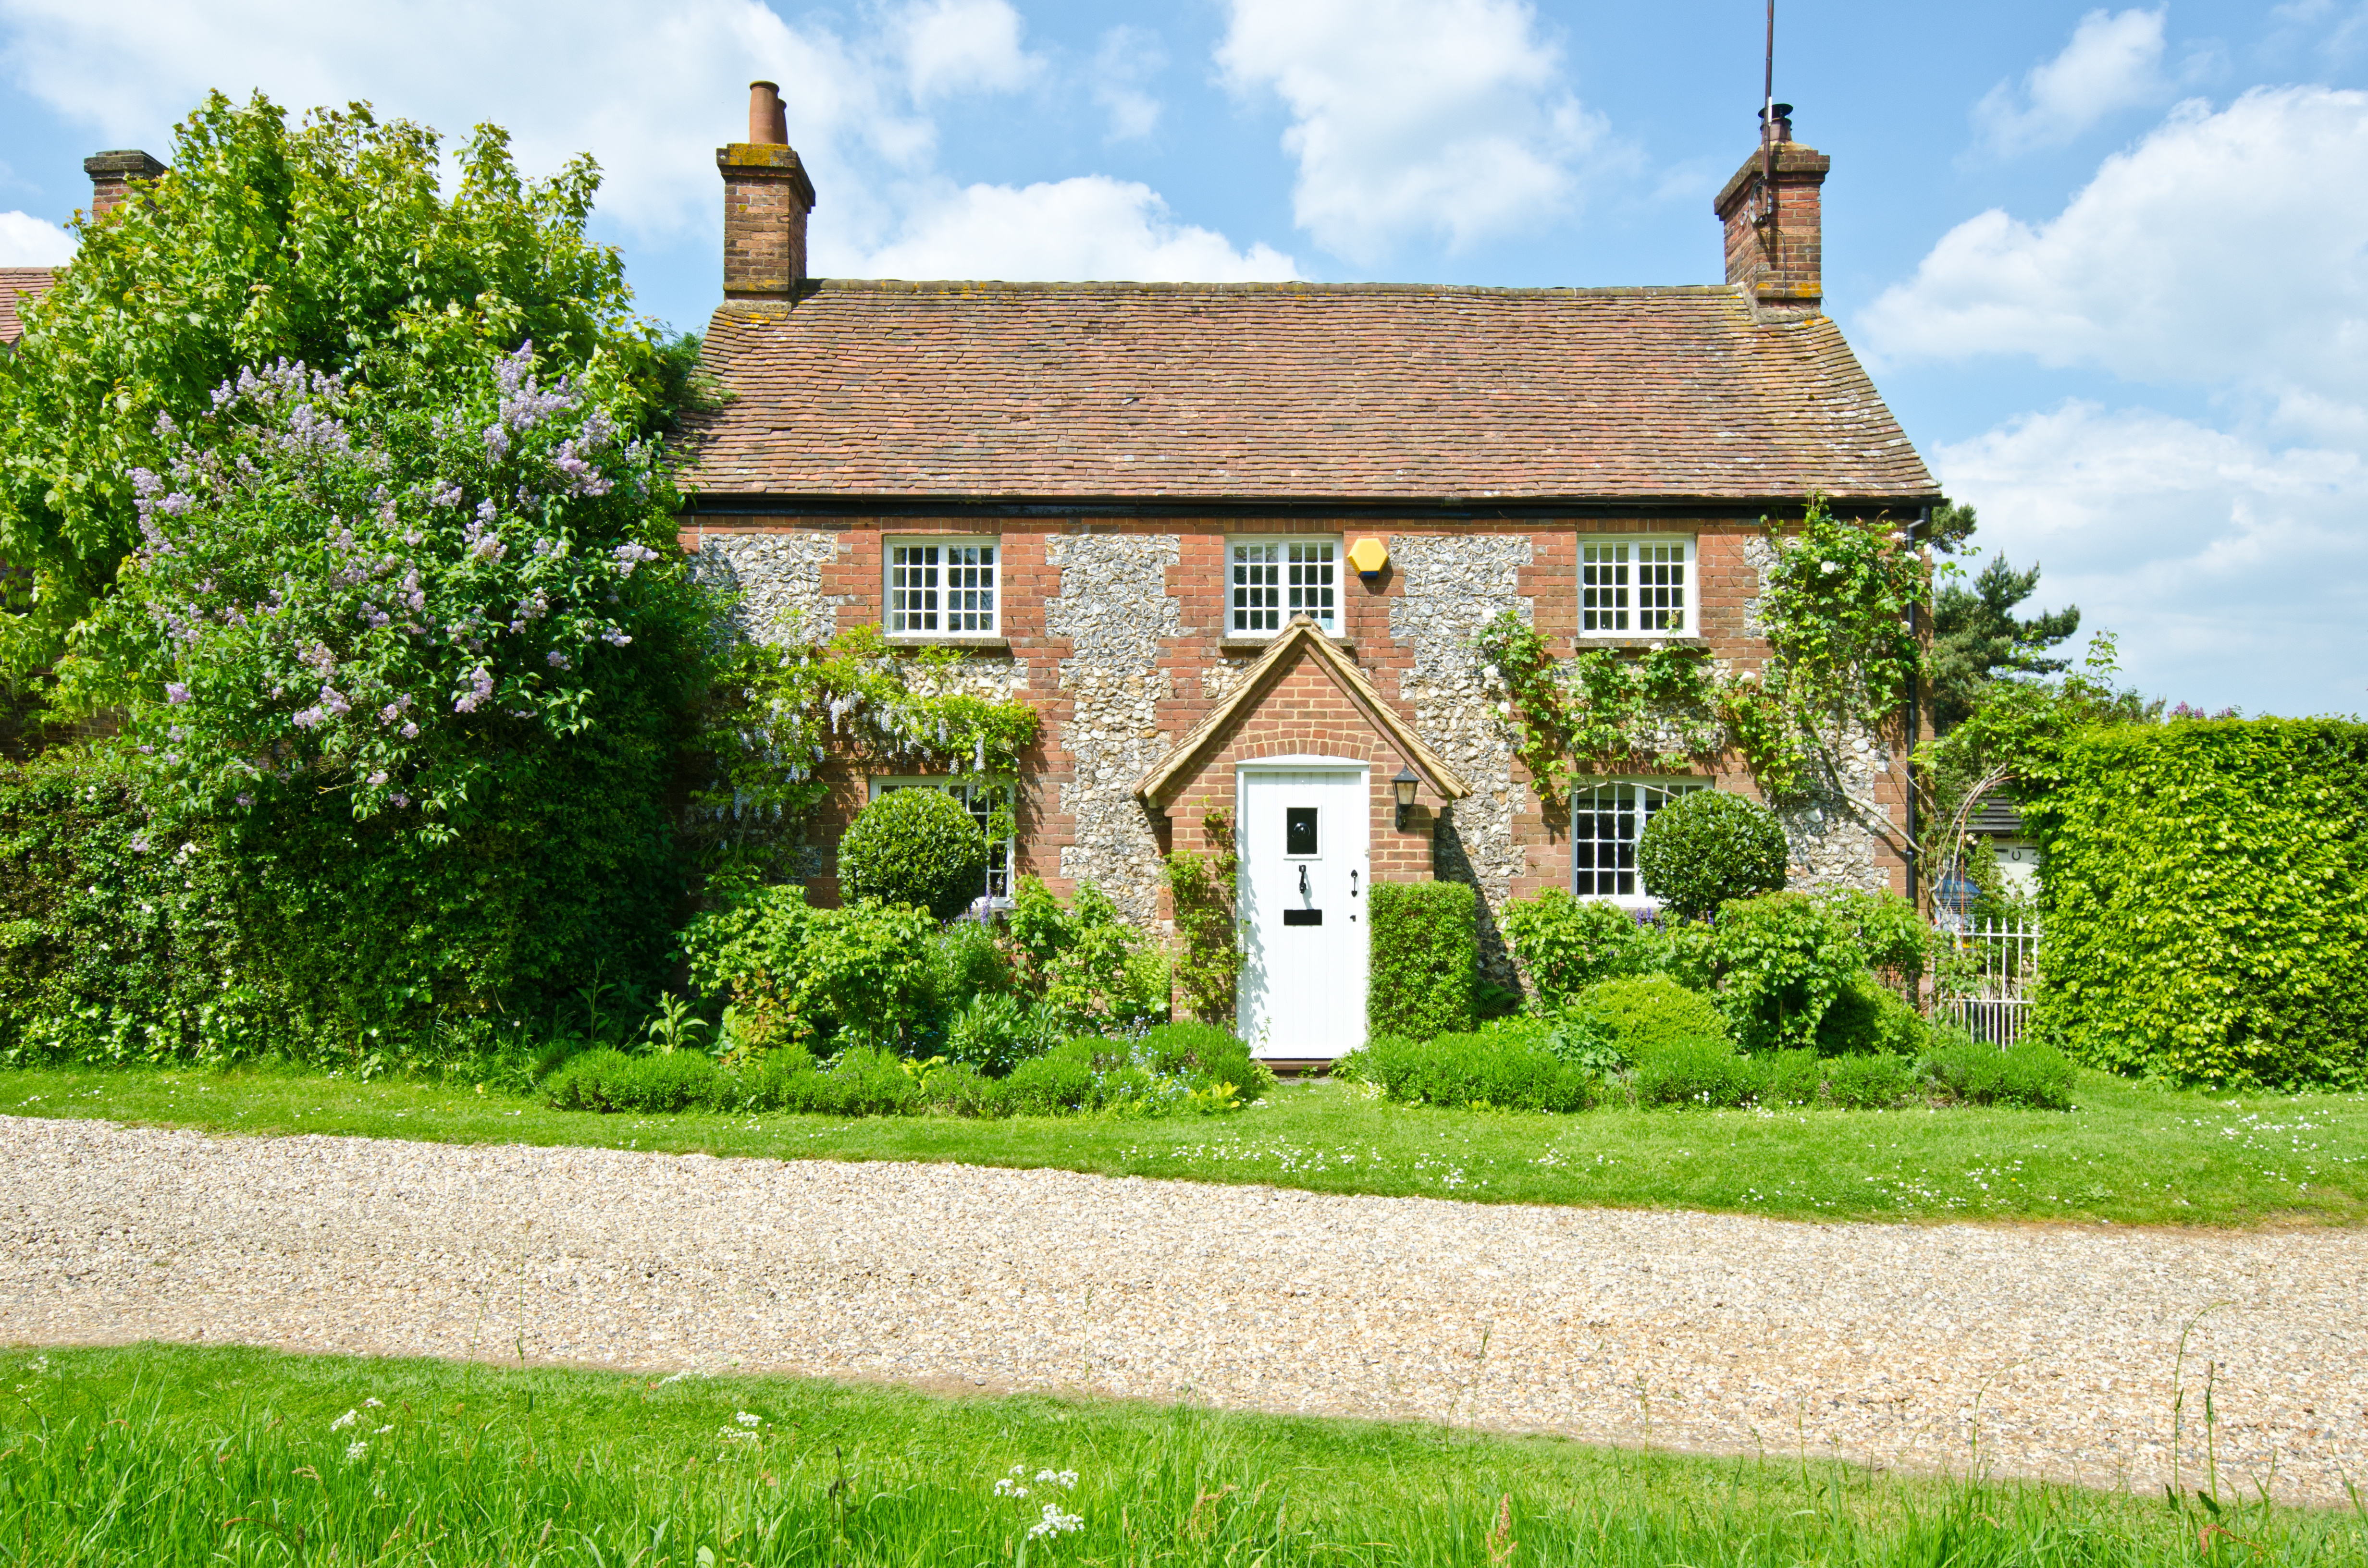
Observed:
{"x":1233,"y":541}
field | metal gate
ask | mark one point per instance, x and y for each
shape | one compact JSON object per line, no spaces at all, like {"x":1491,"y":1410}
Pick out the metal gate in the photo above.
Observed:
{"x":1988,"y":990}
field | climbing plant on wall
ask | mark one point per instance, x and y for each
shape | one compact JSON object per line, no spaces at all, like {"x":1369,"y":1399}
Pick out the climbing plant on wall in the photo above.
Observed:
{"x":1201,"y":887}
{"x":1837,"y":612}
{"x":790,"y":708}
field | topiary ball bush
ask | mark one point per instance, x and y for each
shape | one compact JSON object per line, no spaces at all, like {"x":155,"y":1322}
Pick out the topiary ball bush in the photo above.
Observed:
{"x":914,"y":846}
{"x":1653,"y":1013}
{"x":1708,"y":847}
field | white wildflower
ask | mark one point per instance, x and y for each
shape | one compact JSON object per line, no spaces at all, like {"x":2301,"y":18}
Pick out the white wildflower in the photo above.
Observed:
{"x":1006,"y":1487}
{"x":372,"y":1405}
{"x":1062,"y":1478}
{"x":356,"y":1449}
{"x":1055,"y":1522}
{"x":347,"y":1419}
{"x":748,"y":1419}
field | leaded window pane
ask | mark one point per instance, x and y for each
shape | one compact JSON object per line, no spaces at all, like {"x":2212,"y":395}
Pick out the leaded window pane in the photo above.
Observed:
{"x":1603,"y":588}
{"x":1606,"y":820}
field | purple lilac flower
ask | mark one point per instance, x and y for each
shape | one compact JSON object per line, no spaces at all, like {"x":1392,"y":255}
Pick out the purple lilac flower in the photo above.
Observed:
{"x":555,"y":659}
{"x":628,"y":556}
{"x":307,"y":718}
{"x":409,"y":732}
{"x":481,"y":687}
{"x":378,"y":779}
{"x":614,"y":638}
{"x":245,"y":800}
{"x":140,"y":844}
{"x":175,"y":692}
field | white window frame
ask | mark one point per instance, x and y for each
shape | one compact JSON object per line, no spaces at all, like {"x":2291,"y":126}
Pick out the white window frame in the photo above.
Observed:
{"x":1282,"y":588}
{"x":1614,"y":598}
{"x":1646,"y":797}
{"x":978,"y":795}
{"x":938,"y":611}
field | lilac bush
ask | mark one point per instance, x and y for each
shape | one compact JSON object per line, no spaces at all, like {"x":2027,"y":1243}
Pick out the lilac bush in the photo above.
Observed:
{"x":340,"y":592}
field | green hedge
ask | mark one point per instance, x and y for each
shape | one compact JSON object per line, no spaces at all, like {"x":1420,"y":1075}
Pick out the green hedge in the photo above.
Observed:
{"x":1426,"y":947}
{"x":2205,"y":888}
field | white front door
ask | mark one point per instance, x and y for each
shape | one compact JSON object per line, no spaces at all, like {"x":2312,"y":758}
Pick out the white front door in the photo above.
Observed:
{"x":1301,"y":893}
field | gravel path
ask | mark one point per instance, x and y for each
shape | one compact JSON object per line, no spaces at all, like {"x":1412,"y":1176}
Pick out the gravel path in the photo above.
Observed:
{"x":1692,"y":1330}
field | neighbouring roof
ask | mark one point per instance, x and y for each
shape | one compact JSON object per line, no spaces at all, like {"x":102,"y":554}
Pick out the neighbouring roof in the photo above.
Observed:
{"x":1237,"y":393}
{"x":17,"y":282}
{"x":1997,"y":815}
{"x":1180,"y":767}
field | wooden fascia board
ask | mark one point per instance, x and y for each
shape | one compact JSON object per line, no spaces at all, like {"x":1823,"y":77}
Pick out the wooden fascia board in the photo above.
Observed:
{"x":1159,"y":786}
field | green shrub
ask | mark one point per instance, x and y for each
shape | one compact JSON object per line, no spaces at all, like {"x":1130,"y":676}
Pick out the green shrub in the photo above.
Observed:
{"x":997,"y":1032}
{"x":918,"y":847}
{"x":1086,"y":962}
{"x":1708,"y":847}
{"x":1868,"y":1016}
{"x":609,"y":1080}
{"x":1502,"y":1069}
{"x":824,"y":978}
{"x":1208,"y":1056}
{"x":1780,"y":959}
{"x":1652,"y":1013}
{"x":2032,"y":1073}
{"x":1566,"y":943}
{"x":974,"y":962}
{"x":1868,"y":1082}
{"x":1699,"y":1071}
{"x":2206,"y":892}
{"x":1891,"y":938}
{"x":1791,"y":1078}
{"x":1426,"y":959}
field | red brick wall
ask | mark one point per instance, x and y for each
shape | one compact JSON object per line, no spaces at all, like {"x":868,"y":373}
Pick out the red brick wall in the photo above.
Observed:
{"x":1300,"y":713}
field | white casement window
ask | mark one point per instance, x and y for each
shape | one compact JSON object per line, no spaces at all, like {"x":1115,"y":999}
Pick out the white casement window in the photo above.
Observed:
{"x":941,"y":587}
{"x":1606,"y":820}
{"x":1635,"y":588}
{"x":980,"y":797}
{"x":1268,"y":581}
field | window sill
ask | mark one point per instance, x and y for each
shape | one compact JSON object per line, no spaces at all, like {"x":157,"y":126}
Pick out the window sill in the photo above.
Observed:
{"x":1640,"y":644}
{"x":975,"y":645}
{"x":1253,"y":646}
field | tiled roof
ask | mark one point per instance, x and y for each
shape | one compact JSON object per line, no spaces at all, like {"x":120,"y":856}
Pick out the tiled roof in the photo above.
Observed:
{"x":1137,"y":391}
{"x":15,"y":281}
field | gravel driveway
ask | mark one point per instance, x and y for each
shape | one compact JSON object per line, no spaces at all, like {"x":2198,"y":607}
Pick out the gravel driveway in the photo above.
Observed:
{"x":1692,"y":1330}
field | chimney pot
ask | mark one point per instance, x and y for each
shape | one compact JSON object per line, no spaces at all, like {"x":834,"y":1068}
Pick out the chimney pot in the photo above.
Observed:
{"x":766,"y":197}
{"x":111,"y":174}
{"x":1775,"y":244}
{"x":769,"y":121}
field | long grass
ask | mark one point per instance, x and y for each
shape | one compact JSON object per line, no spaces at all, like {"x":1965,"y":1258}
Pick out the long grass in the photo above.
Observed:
{"x":2130,"y":1154}
{"x":168,"y":1456}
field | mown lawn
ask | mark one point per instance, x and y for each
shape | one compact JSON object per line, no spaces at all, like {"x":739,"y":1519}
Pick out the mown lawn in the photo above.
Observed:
{"x":154,"y":1455}
{"x":2129,"y":1155}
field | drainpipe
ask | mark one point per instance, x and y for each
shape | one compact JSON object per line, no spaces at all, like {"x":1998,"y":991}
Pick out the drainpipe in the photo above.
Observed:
{"x":1915,"y":536}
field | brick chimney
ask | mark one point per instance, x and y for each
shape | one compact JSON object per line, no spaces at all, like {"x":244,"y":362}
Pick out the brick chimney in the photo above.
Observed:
{"x":1774,"y":237}
{"x":111,"y":174}
{"x":766,"y":199}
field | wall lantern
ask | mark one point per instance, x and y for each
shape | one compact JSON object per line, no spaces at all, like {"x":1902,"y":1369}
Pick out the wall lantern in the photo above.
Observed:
{"x":1406,"y":783}
{"x":1367,"y":556}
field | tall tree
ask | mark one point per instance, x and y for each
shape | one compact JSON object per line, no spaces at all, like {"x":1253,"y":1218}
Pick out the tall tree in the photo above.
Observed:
{"x":330,"y":243}
{"x":1976,"y":634}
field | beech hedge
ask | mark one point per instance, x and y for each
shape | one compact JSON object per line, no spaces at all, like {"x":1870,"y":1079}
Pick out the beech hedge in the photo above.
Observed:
{"x":1426,"y":947}
{"x":2205,"y":889}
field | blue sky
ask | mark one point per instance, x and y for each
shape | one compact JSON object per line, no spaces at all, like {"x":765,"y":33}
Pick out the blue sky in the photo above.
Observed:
{"x":2106,"y":265}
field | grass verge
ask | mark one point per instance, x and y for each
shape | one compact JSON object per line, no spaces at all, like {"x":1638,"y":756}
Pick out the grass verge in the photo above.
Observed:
{"x":156,"y":1455}
{"x":2130,"y":1155}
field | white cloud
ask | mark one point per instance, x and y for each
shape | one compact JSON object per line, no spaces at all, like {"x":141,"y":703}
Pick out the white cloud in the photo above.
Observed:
{"x":952,"y":46}
{"x":27,"y":241}
{"x":2234,"y":570}
{"x":1092,"y":227}
{"x":651,"y":92}
{"x":1445,"y":118}
{"x":2113,"y":62}
{"x":1128,"y":57}
{"x":2222,"y":250}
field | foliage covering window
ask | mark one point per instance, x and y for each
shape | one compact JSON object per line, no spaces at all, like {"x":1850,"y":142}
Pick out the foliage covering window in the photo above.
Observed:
{"x":1708,"y":847}
{"x":914,"y":846}
{"x":2206,"y":888}
{"x":1425,"y":958}
{"x":1566,"y":944}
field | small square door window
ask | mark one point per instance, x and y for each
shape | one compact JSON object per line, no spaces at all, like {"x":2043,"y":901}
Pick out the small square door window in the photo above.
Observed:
{"x":1299,"y":830}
